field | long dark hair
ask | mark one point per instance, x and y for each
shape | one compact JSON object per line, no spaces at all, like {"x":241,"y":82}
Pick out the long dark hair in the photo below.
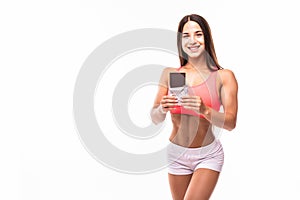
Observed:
{"x":211,"y":57}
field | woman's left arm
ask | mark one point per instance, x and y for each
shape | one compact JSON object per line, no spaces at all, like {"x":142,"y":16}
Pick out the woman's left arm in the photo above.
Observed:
{"x":229,"y":99}
{"x":228,"y":96}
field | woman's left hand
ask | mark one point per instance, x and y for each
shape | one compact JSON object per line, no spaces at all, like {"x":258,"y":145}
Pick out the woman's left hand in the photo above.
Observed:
{"x":193,"y":103}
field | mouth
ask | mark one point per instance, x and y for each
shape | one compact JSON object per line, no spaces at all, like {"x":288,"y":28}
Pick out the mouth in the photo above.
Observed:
{"x":194,"y":48}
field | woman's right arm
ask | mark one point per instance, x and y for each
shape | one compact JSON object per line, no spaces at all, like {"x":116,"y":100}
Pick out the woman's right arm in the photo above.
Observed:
{"x":162,"y":103}
{"x":158,"y":113}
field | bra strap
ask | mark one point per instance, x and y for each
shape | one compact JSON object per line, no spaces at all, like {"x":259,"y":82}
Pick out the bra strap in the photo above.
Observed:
{"x":178,"y":68}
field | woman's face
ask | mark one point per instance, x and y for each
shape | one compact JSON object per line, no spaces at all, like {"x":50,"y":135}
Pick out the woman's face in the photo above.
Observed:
{"x":192,"y":39}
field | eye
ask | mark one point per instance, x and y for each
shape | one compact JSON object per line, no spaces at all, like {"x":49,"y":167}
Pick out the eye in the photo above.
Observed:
{"x":199,"y":34}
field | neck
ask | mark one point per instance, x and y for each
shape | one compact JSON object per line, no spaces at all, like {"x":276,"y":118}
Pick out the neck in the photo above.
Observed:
{"x":198,"y":63}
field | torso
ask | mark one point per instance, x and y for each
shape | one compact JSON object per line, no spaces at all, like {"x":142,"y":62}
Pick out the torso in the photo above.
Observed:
{"x":189,"y":130}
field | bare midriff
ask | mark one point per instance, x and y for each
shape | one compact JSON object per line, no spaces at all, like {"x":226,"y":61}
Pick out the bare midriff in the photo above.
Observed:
{"x":191,"y":131}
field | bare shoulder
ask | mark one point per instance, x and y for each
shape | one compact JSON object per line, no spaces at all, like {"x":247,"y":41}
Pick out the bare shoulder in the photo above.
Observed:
{"x":164,"y":79}
{"x":227,"y":76}
{"x":226,"y":73}
{"x":167,"y":70}
{"x":170,"y":69}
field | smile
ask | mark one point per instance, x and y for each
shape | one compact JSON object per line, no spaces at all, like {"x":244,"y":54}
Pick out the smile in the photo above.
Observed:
{"x":194,"y":48}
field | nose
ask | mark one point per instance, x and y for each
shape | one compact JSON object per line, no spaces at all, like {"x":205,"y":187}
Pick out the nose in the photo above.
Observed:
{"x":192,"y":39}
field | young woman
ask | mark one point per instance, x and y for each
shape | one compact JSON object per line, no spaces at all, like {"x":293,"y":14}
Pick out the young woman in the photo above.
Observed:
{"x":195,"y":154}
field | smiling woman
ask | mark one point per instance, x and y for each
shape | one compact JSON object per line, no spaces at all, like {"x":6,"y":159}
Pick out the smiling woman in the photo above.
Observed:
{"x":192,"y":39}
{"x":195,"y":155}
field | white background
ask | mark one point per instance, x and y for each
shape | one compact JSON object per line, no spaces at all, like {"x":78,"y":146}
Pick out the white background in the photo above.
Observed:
{"x":43,"y":45}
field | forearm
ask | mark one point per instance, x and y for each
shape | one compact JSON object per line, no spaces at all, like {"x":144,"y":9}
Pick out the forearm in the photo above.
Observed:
{"x":222,"y":120}
{"x":157,"y":114}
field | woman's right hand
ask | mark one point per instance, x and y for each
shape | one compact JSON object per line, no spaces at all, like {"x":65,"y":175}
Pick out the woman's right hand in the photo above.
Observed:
{"x":168,"y":103}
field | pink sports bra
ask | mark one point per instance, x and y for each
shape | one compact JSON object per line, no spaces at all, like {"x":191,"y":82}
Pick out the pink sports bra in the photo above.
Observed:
{"x":208,"y":93}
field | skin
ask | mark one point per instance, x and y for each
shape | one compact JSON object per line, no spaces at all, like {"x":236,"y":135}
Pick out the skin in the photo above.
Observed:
{"x":192,"y":131}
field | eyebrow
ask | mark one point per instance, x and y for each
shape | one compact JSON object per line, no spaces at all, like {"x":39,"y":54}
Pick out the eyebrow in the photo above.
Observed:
{"x":195,"y":32}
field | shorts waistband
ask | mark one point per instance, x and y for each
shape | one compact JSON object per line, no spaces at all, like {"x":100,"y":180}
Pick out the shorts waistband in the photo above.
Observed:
{"x":203,"y":149}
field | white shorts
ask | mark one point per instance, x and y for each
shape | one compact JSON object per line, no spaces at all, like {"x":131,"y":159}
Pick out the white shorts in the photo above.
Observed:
{"x":183,"y":160}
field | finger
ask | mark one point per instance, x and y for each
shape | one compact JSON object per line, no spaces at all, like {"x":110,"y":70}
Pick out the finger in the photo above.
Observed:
{"x":170,"y":105}
{"x":170,"y":97}
{"x":190,"y":108}
{"x":168,"y":101}
{"x":196,"y":109}
{"x":190,"y":97}
{"x":193,"y":105}
{"x":198,"y":101}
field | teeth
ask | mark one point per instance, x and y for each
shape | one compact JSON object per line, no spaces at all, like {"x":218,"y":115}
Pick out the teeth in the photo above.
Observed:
{"x":194,"y":48}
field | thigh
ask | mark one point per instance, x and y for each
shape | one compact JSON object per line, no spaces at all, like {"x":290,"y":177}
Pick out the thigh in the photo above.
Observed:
{"x":179,"y":185}
{"x":202,"y":184}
